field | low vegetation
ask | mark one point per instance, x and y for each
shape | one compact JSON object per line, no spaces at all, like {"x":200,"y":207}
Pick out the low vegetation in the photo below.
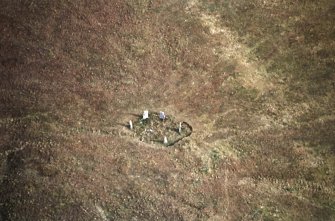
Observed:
{"x":255,"y":80}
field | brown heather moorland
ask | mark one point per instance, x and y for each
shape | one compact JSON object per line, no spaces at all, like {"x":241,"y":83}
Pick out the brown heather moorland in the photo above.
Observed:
{"x":255,"y":80}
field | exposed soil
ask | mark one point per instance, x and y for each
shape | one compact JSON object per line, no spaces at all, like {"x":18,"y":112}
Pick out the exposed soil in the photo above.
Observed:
{"x":254,"y":79}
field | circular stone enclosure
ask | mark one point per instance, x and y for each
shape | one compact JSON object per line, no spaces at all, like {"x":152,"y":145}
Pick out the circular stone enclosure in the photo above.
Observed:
{"x":153,"y":129}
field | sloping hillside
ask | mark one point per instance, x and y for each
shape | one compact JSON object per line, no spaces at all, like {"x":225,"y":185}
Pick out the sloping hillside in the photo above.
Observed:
{"x":255,"y":79}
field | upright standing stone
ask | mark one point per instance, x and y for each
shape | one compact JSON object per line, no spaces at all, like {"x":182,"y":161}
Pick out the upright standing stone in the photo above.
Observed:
{"x":179,"y":128}
{"x":165,"y":140}
{"x":130,"y":125}
{"x":161,"y":115}
{"x":145,"y":114}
